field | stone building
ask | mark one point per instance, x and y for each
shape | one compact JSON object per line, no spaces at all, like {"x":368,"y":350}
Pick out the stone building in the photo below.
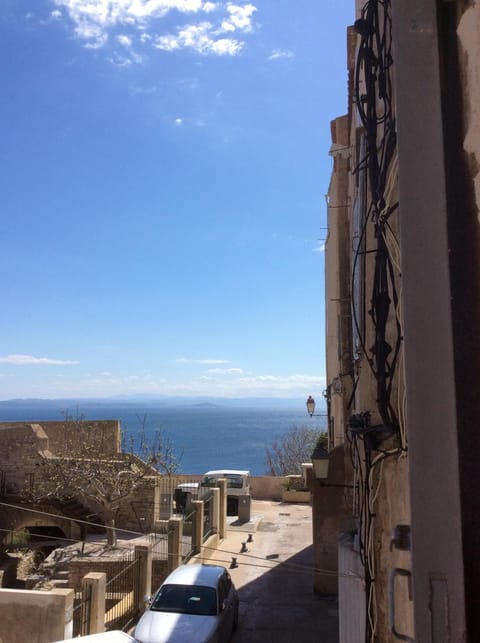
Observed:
{"x":21,"y":443}
{"x":402,"y":307}
{"x":23,"y":446}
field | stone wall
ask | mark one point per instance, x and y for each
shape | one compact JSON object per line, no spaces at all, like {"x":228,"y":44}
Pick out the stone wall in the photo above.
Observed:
{"x":79,"y":568}
{"x":105,"y":434}
{"x":35,"y":616}
{"x":266,"y":487}
{"x":19,"y":447}
{"x":21,"y":443}
{"x":137,"y":512}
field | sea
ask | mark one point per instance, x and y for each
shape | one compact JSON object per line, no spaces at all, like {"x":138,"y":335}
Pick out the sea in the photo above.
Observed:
{"x":204,"y":437}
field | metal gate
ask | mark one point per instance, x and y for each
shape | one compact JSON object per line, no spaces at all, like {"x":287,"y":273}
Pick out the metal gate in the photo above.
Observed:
{"x":122,"y":591}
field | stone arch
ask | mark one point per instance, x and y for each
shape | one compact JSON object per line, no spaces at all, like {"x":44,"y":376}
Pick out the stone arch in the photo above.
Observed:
{"x":36,"y":522}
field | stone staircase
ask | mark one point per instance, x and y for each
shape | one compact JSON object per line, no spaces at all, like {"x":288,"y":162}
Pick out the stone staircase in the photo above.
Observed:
{"x":73,"y":508}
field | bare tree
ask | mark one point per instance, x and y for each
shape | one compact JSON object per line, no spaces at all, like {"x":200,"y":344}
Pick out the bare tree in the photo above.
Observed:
{"x":81,"y":468}
{"x":294,"y":447}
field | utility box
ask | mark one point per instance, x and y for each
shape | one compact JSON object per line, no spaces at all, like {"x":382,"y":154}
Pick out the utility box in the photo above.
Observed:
{"x":244,"y":506}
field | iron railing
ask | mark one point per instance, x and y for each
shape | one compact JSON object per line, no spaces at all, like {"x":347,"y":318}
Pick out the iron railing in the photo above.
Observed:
{"x":188,"y":538}
{"x":208,"y":526}
{"x":159,"y":543}
{"x":176,"y":494}
{"x":122,"y":591}
{"x":81,"y":611}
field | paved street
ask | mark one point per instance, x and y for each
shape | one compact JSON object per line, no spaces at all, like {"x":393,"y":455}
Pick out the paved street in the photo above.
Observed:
{"x":274,"y":577}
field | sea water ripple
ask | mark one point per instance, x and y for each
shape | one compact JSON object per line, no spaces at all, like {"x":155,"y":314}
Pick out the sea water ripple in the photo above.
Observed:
{"x":203,"y":437}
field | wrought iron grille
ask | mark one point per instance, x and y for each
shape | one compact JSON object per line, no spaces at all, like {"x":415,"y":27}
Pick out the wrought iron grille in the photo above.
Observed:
{"x":122,"y":593}
{"x":208,"y":526}
{"x":189,"y":531}
{"x":81,"y":611}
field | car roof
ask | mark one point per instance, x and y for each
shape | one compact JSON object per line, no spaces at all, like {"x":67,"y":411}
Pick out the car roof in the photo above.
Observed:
{"x":220,"y":472}
{"x":195,"y":574}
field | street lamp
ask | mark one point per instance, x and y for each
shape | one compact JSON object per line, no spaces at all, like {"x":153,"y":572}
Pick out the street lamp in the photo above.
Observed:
{"x":311,"y":408}
{"x":320,"y":460}
{"x":310,"y":405}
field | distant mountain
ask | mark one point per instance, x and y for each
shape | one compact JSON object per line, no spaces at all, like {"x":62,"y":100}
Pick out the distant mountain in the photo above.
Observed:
{"x":157,"y":401}
{"x":205,"y":405}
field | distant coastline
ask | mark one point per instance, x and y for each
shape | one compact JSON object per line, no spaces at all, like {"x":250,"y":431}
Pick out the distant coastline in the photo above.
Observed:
{"x":159,"y":400}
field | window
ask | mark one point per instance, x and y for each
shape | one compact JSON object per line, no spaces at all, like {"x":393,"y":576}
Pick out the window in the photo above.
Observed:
{"x":234,"y":482}
{"x":186,"y":599}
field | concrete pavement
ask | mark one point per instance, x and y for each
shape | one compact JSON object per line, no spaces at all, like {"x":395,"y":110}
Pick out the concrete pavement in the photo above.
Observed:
{"x":274,"y":577}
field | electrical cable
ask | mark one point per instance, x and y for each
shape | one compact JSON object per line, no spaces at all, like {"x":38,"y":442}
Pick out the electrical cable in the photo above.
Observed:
{"x":244,"y":556}
{"x":63,"y":517}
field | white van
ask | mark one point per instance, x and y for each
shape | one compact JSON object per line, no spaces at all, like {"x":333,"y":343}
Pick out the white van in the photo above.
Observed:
{"x":238,"y":484}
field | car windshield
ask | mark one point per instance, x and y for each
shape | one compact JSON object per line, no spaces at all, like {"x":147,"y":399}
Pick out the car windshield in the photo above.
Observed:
{"x":233,"y":481}
{"x":186,"y":599}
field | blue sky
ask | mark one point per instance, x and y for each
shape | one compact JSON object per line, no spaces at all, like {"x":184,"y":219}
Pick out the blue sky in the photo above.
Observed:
{"x":164,"y":165}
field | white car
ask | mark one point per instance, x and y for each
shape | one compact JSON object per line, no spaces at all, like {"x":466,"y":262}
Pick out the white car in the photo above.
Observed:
{"x":196,"y":603}
{"x":238,"y":484}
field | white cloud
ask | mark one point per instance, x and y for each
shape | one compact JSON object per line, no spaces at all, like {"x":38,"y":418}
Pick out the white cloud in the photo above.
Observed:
{"x":225,"y":371}
{"x":178,"y":121}
{"x":56,"y":13}
{"x":280,"y":53}
{"x":224,"y":383}
{"x":123,"y":60}
{"x":124,"y":40}
{"x":119,"y":61}
{"x":201,"y":38}
{"x":240,"y":17}
{"x":216,"y":383}
{"x":94,"y":19}
{"x":24,"y":360}
{"x":226,"y":46}
{"x":167,"y":43}
{"x":207,"y":361}
{"x":209,"y":6}
{"x":113,"y":12}
{"x":94,"y":34}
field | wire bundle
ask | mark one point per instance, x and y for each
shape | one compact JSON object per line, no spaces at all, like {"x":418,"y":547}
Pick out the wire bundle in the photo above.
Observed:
{"x":374,"y":100}
{"x":375,"y":105}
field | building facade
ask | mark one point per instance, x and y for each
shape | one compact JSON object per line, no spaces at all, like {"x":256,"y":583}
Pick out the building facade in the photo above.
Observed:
{"x":402,"y":290}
